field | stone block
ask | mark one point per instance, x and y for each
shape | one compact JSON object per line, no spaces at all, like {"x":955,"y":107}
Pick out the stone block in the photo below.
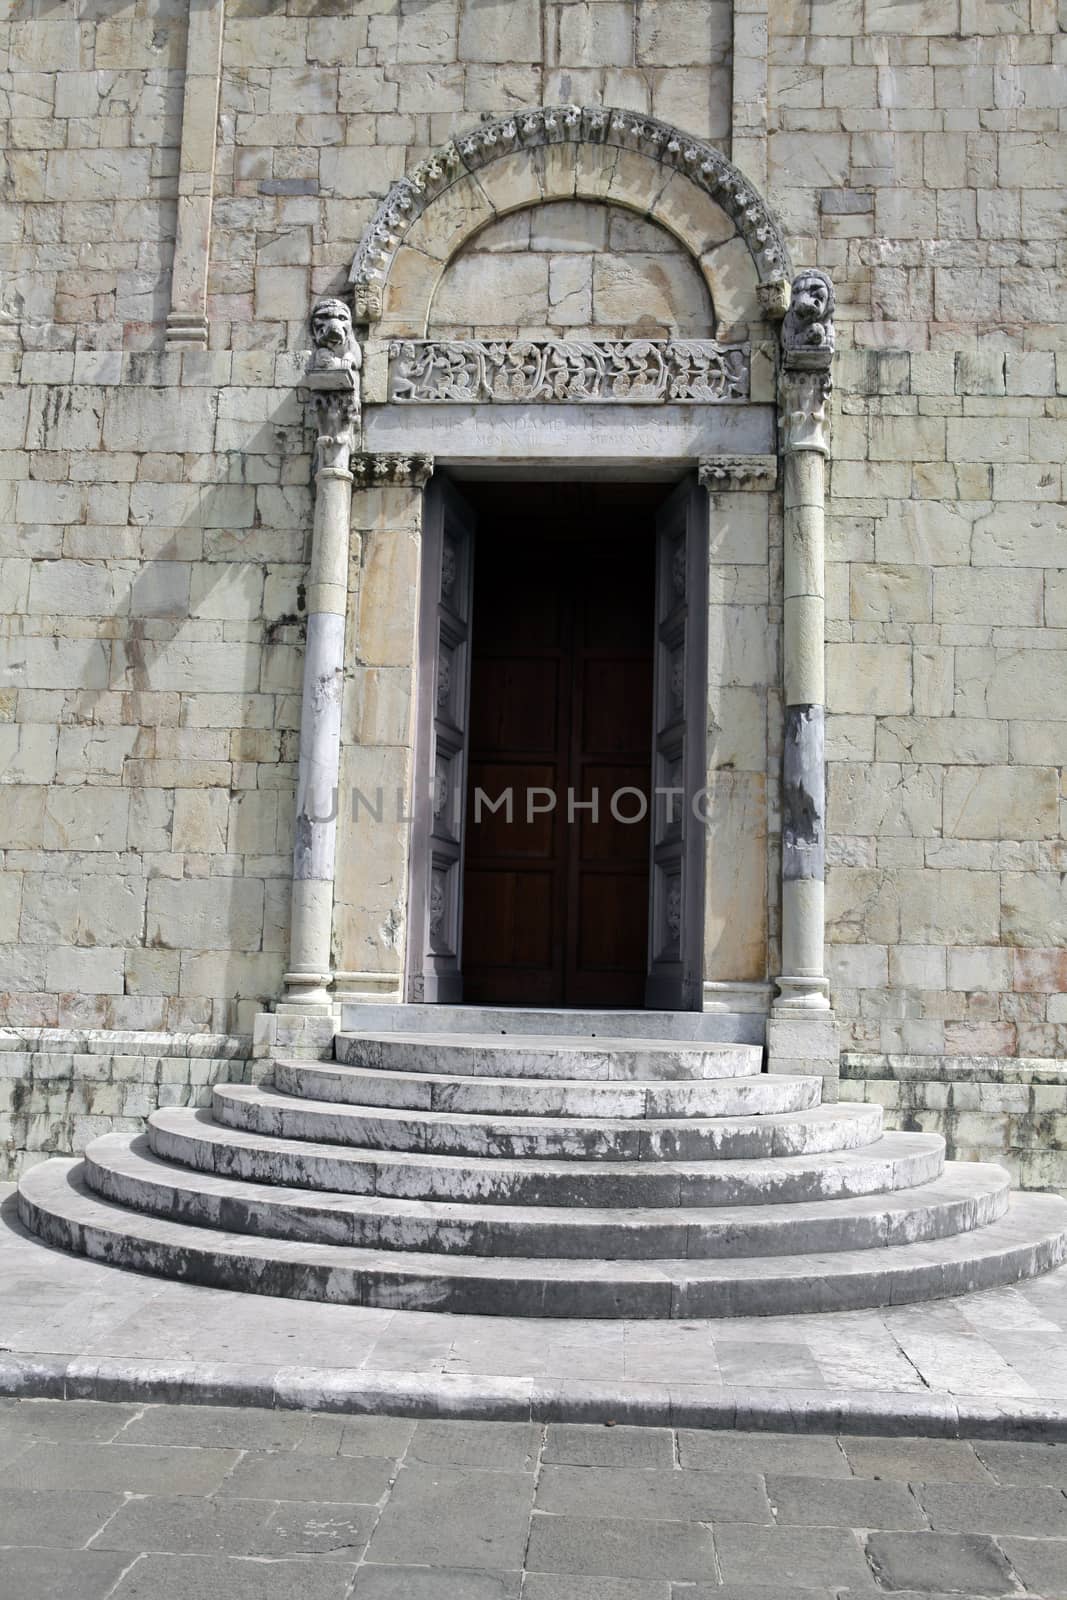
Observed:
{"x":868,"y":678}
{"x":501,"y":30}
{"x":514,"y":287}
{"x":890,"y":594}
{"x":655,"y":296}
{"x":735,"y":936}
{"x":200,"y":821}
{"x":884,"y":799}
{"x":682,"y":33}
{"x":983,"y":970}
{"x":86,"y":818}
{"x":1040,"y":971}
{"x":596,"y":35}
{"x":948,"y":906}
{"x":85,"y":971}
{"x":1032,"y":535}
{"x":1002,"y":802}
{"x":205,"y":913}
{"x":142,"y":419}
{"x":1033,"y":909}
{"x":988,"y":594}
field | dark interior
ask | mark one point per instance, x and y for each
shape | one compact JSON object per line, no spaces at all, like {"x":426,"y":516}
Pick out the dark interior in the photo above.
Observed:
{"x":556,"y":911}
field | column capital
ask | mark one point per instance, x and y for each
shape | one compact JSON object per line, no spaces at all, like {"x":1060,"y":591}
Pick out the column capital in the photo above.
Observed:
{"x":719,"y":473}
{"x":377,"y":469}
{"x":332,"y":385}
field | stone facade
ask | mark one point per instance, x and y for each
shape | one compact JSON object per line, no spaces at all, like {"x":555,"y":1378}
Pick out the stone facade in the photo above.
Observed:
{"x":158,"y":263}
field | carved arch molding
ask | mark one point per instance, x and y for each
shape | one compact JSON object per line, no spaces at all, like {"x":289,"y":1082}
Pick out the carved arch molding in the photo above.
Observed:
{"x":589,"y":153}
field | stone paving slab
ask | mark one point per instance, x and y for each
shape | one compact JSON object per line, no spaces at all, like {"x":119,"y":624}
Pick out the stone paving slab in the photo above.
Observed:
{"x":990,"y":1365}
{"x":304,"y":1510}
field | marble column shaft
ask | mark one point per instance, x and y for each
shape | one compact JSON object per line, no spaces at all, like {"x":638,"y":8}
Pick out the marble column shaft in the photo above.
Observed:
{"x":310,"y":959}
{"x":803,"y":985}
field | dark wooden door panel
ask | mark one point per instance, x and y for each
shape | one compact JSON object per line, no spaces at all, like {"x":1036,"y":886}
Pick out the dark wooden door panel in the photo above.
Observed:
{"x":556,"y":903}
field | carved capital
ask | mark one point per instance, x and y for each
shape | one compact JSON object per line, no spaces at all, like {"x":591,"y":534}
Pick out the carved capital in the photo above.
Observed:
{"x":804,"y":410}
{"x":774,"y":298}
{"x":336,"y":413}
{"x":366,"y":301}
{"x":372,"y":471}
{"x":718,"y":473}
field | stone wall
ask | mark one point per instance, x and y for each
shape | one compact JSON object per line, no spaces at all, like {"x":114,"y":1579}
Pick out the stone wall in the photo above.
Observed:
{"x":157,"y":510}
{"x":567,"y":269}
{"x":1012,"y":1112}
{"x":156,"y":506}
{"x":60,"y":1088}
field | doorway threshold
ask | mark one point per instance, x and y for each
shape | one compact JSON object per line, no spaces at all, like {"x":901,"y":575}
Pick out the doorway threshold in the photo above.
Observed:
{"x":716,"y":1027}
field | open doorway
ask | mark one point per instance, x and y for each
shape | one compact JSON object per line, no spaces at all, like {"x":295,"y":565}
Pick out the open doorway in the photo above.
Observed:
{"x":557,"y":855}
{"x":556,"y":860}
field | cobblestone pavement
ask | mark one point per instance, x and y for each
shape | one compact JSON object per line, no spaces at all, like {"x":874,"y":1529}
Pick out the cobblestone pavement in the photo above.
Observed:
{"x":1000,"y":1354}
{"x":203,"y":1503}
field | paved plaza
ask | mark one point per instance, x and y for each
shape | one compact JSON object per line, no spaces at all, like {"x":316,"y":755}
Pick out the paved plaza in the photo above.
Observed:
{"x":202,"y":1503}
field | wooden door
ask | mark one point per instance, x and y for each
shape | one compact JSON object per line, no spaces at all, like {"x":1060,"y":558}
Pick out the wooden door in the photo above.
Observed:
{"x":556,"y":880}
{"x":676,"y":903}
{"x":439,"y":811}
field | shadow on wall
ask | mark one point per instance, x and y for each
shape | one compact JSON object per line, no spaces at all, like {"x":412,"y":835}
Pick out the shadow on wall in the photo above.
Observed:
{"x":152,"y":697}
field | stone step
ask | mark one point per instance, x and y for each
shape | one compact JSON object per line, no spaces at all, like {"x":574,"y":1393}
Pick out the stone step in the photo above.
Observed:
{"x":545,"y":1097}
{"x":725,"y":1024}
{"x":543,"y":1056}
{"x":822,"y":1128}
{"x":123,"y":1169}
{"x":194,"y":1138}
{"x":55,"y":1203}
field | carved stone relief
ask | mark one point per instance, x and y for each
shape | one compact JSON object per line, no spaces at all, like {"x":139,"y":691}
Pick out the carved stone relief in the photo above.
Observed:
{"x":524,"y":370}
{"x":808,"y":329}
{"x":375,"y":469}
{"x":701,"y":163}
{"x":805,"y":383}
{"x":332,"y":381}
{"x":738,"y":472}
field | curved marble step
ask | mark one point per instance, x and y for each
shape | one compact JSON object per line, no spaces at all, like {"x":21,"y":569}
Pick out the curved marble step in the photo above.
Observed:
{"x":194,"y":1138}
{"x":533,"y":1056}
{"x":545,"y":1097}
{"x":124,"y":1169}
{"x":1032,"y":1237}
{"x":822,"y":1128}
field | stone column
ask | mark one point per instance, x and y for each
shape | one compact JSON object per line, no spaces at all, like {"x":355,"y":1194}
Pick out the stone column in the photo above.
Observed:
{"x":333,"y":384}
{"x":801,"y":1032}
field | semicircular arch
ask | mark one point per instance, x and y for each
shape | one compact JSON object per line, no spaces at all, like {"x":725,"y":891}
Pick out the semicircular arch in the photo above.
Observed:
{"x":568,"y":153}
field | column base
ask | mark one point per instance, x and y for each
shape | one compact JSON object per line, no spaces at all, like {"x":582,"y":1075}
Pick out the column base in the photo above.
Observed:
{"x":805,"y":1044}
{"x":801,"y":993}
{"x":186,"y":331}
{"x":307,"y":993}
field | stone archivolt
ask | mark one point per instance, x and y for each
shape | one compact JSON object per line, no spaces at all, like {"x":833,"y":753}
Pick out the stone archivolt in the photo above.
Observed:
{"x":642,"y":370}
{"x":705,"y":166}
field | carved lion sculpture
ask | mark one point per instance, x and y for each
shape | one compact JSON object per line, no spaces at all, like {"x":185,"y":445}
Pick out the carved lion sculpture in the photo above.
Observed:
{"x":336,"y":349}
{"x":809,"y":322}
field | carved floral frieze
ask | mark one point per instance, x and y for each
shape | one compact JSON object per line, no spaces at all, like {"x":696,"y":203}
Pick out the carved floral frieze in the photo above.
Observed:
{"x":738,"y":472}
{"x":375,"y":470}
{"x":526,"y":370}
